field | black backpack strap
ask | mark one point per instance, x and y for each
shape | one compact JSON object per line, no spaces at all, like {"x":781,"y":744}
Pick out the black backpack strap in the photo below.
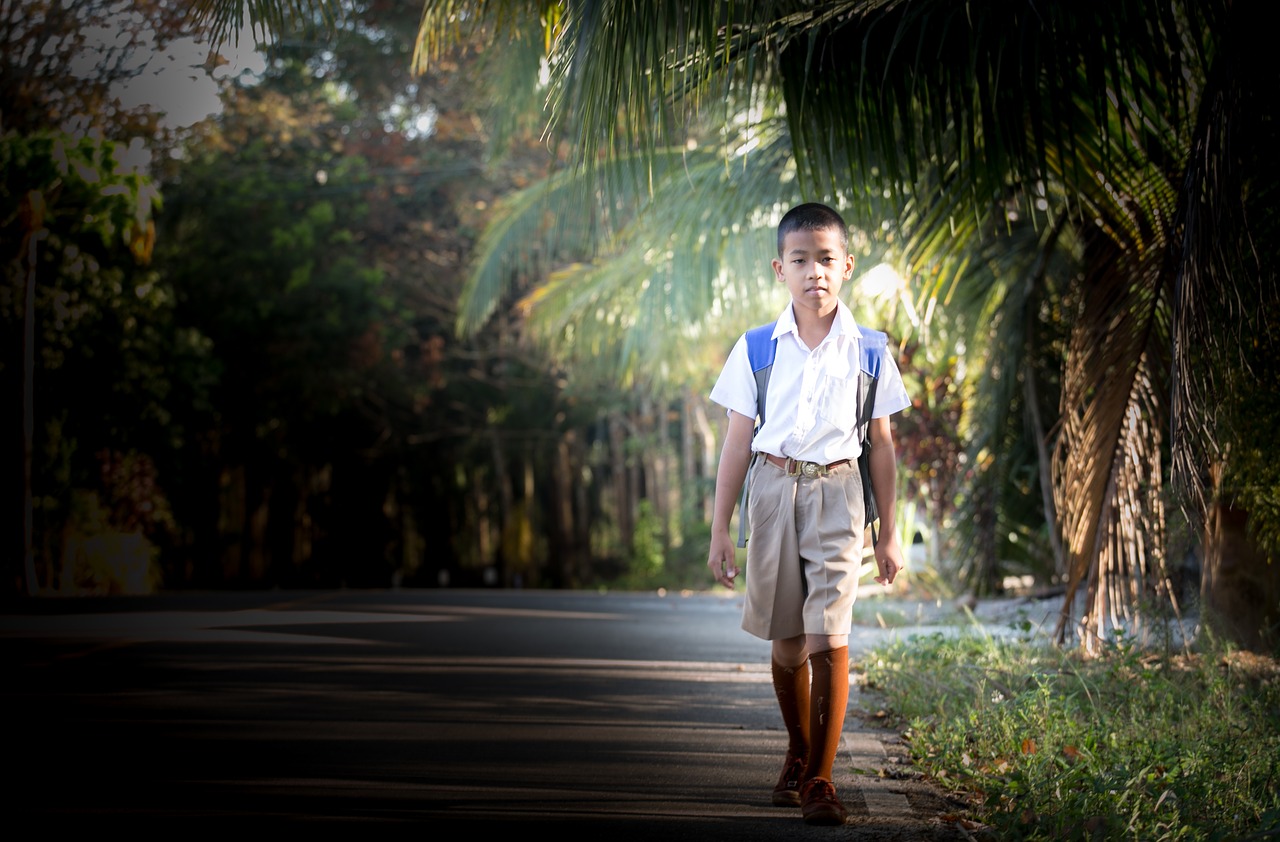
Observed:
{"x":864,"y":459}
{"x":873,"y":344}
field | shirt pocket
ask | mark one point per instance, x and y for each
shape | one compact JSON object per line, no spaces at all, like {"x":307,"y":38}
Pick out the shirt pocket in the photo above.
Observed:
{"x":837,"y":402}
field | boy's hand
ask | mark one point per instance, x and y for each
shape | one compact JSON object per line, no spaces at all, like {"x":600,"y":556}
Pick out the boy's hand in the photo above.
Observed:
{"x":722,"y":560}
{"x":888,"y":558}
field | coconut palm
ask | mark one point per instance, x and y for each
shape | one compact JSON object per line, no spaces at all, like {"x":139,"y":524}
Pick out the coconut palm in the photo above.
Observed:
{"x":1122,"y":148}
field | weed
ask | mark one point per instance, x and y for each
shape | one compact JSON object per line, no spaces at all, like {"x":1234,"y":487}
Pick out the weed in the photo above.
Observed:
{"x":1132,"y":745}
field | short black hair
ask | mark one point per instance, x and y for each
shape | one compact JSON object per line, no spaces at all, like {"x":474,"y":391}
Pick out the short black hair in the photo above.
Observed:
{"x":812,"y":216}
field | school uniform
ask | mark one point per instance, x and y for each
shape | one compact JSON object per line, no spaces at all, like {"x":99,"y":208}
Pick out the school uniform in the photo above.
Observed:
{"x":806,"y":544}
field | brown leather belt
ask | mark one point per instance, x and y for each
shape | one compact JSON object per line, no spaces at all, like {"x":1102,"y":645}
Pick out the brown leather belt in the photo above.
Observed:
{"x":797,"y":468}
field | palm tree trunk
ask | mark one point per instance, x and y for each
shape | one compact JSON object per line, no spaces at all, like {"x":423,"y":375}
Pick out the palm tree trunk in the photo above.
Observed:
{"x":1239,"y":586}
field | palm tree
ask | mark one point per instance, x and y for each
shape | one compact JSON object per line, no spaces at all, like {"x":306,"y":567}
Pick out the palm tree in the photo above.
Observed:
{"x":1122,"y":147}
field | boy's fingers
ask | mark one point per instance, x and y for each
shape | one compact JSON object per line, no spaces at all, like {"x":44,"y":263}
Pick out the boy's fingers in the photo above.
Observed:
{"x":723,"y":569}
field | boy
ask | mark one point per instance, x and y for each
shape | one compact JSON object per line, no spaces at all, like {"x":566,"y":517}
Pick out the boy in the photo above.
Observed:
{"x":805,"y":501}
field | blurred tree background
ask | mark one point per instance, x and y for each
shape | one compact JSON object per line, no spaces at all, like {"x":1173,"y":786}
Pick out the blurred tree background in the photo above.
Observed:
{"x":435,"y":297}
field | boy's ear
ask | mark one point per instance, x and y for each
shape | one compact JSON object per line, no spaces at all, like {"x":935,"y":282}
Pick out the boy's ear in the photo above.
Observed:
{"x":777,"y":269}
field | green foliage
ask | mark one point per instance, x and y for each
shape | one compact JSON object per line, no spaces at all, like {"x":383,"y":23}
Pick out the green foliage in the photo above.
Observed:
{"x":85,"y":191}
{"x":76,"y":230}
{"x":269,"y":266}
{"x":647,"y":551}
{"x":1130,"y":745}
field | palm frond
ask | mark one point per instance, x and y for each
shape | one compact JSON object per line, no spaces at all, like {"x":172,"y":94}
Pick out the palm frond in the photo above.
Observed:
{"x":1011,"y":348}
{"x":674,"y":272}
{"x":527,"y":231}
{"x":450,"y":24}
{"x":1225,"y":273}
{"x":910,"y":86}
{"x":1109,"y":452}
{"x":266,"y":19}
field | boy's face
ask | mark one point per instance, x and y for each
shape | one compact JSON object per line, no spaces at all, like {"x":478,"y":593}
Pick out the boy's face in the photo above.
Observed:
{"x":813,"y":266}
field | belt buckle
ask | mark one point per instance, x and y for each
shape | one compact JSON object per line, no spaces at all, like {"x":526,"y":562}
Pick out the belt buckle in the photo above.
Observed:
{"x":811,"y":469}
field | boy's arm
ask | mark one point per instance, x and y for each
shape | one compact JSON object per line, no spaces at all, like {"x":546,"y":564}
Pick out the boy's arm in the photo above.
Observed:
{"x":735,"y":457}
{"x":884,"y":479}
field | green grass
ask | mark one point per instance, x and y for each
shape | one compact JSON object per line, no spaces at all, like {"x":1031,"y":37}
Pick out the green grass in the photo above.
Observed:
{"x":1132,"y":745}
{"x":897,"y":613}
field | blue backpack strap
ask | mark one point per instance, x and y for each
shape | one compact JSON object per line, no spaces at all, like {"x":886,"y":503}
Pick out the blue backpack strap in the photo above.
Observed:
{"x":761,"y":348}
{"x":873,"y":344}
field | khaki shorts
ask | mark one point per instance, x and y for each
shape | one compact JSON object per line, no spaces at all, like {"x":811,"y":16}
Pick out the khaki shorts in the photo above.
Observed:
{"x":804,"y":553}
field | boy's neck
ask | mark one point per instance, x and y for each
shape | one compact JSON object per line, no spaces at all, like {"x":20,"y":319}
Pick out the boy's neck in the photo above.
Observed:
{"x":812,"y":326}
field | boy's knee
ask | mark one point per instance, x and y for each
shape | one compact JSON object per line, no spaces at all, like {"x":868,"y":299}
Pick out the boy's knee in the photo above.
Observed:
{"x":791,"y":651}
{"x":825,"y":642}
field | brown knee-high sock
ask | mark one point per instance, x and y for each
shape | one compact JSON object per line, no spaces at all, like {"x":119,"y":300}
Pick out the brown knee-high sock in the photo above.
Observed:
{"x":829,"y":696}
{"x":791,"y":686}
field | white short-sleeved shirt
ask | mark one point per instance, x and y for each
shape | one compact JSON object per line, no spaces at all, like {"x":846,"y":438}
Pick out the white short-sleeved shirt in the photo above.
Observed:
{"x":811,"y":409}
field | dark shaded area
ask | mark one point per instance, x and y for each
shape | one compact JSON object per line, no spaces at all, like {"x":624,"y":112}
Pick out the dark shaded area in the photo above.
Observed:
{"x":629,"y":715}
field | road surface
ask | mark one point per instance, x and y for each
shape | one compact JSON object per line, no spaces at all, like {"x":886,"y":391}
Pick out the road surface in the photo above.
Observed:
{"x":616,"y":716}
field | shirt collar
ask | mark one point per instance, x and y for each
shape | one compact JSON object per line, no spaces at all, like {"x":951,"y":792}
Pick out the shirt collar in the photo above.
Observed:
{"x":844,"y":324}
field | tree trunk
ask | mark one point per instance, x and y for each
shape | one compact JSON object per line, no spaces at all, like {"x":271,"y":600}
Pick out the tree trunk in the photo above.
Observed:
{"x":707,"y":460}
{"x":1045,"y":460}
{"x":494,"y":562}
{"x":232,"y":514}
{"x":1239,"y":587}
{"x":620,"y":476}
{"x":580,"y":563}
{"x":519,"y":564}
{"x":33,"y":223}
{"x":688,"y":464}
{"x":560,"y":510}
{"x":259,"y":549}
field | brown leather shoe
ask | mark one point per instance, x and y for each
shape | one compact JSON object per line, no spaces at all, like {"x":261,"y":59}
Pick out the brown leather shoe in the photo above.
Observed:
{"x":787,"y":792}
{"x":819,"y":804}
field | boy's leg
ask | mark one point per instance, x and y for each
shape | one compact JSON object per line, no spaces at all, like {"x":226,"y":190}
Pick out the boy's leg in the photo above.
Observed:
{"x":829,"y":534}
{"x":772,"y":609}
{"x":791,"y":686}
{"x":829,"y":696}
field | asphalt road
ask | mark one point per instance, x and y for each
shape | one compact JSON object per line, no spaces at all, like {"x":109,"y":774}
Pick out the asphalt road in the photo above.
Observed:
{"x":622,"y":716}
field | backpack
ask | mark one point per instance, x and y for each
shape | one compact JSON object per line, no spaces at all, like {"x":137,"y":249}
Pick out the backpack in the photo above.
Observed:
{"x":761,"y":348}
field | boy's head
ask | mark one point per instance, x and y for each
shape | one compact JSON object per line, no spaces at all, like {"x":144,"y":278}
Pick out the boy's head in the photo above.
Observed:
{"x":812,"y":216}
{"x":813,"y":259}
